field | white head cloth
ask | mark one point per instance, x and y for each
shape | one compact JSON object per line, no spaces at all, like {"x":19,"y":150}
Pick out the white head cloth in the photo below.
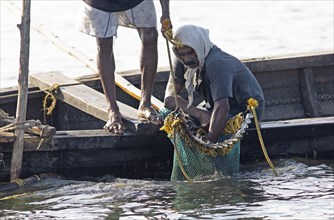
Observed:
{"x":198,"y":39}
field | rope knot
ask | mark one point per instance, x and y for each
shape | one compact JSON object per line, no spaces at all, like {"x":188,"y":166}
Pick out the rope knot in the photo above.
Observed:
{"x":50,"y":96}
{"x":168,"y":32}
{"x":252,"y":103}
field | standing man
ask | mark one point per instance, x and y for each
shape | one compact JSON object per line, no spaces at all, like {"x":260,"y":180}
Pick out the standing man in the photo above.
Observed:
{"x":222,"y":80}
{"x":101,"y":19}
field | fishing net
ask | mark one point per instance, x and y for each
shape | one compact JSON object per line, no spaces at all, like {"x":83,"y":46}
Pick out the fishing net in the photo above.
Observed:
{"x":198,"y":159}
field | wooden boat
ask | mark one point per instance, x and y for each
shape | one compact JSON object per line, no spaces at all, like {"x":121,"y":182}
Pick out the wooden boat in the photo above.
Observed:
{"x":298,"y":121}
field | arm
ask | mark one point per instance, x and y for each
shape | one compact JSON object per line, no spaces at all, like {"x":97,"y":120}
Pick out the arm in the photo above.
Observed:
{"x":165,"y":10}
{"x":203,"y":116}
{"x":165,"y":15}
{"x":218,"y":119}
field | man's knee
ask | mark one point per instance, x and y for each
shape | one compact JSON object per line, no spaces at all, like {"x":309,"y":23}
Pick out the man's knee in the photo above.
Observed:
{"x":104,"y":45}
{"x":149,"y":35}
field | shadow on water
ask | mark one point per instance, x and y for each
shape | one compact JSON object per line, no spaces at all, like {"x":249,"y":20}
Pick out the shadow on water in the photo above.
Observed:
{"x":301,"y":191}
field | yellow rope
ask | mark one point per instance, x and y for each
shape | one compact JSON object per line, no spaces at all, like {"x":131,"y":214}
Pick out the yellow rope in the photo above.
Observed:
{"x":12,"y":197}
{"x":50,"y":96}
{"x":19,"y":182}
{"x":252,"y":104}
{"x":234,"y":124}
{"x":169,"y":34}
{"x":173,"y":123}
{"x":179,"y":161}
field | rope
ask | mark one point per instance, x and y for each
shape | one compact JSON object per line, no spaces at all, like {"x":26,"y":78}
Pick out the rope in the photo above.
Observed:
{"x":50,"y":96}
{"x":179,"y":161}
{"x":20,"y":182}
{"x":8,"y":127}
{"x":169,"y":36}
{"x":252,"y":103}
{"x":41,"y":142}
{"x":12,"y":197}
{"x":38,"y":178}
{"x":234,"y":124}
{"x":4,"y":115}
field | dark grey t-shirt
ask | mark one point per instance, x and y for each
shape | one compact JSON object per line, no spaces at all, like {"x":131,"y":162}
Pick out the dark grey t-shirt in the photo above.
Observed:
{"x":224,"y":76}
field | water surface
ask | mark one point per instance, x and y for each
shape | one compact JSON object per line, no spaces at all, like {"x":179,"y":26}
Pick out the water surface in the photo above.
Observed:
{"x":300,"y":192}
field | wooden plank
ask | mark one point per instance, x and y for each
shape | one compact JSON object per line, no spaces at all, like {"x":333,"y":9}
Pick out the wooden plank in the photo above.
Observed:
{"x":287,"y":62}
{"x":299,"y":122}
{"x":88,"y":100}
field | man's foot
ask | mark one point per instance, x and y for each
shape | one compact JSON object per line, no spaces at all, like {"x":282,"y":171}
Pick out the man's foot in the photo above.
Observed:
{"x":114,"y":124}
{"x":150,"y":114}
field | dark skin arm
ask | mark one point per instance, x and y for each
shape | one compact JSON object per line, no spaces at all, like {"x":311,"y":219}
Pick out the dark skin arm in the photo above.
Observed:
{"x":203,"y":116}
{"x":216,"y":120}
{"x":165,"y":15}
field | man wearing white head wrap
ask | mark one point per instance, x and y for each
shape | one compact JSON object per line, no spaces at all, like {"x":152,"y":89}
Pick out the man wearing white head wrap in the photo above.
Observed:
{"x":222,"y":80}
{"x":198,"y":39}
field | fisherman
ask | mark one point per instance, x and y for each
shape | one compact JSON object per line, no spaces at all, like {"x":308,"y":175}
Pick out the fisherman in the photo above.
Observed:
{"x":101,"y":19}
{"x":221,"y":79}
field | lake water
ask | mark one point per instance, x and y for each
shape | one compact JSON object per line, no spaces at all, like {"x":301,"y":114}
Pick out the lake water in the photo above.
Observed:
{"x":299,"y":192}
{"x":246,"y":29}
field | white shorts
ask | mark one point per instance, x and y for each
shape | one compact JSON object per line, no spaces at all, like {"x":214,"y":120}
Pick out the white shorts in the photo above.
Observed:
{"x":103,"y":24}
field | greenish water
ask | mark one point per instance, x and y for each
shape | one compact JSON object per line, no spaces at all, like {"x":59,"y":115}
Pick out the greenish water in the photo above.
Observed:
{"x":300,"y":192}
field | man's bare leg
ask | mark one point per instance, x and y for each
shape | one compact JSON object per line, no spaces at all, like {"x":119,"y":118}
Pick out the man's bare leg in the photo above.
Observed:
{"x":106,"y":67}
{"x":148,"y":67}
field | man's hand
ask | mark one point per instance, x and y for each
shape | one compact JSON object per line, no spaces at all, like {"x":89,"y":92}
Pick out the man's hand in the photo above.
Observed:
{"x":204,"y":118}
{"x":166,"y":27}
{"x":166,"y":24}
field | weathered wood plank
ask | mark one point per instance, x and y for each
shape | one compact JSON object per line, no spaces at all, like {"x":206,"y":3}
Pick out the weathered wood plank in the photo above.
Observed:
{"x":297,"y":61}
{"x":88,"y":100}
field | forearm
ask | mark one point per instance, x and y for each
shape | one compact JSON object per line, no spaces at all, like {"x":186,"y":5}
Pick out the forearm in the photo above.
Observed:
{"x":218,"y":120}
{"x":217,"y":126}
{"x":182,"y":103}
{"x":165,"y":8}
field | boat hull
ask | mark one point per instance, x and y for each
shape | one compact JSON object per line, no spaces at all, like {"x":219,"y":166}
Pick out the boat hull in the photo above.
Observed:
{"x":298,"y":121}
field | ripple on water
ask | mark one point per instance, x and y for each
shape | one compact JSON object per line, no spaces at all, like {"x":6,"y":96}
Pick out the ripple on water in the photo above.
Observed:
{"x":300,"y":191}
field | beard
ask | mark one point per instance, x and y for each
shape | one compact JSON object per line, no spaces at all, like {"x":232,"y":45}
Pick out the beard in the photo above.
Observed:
{"x":191,"y":64}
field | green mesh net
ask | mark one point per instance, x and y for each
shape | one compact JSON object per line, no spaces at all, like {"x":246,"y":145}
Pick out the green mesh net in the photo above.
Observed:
{"x":193,"y":161}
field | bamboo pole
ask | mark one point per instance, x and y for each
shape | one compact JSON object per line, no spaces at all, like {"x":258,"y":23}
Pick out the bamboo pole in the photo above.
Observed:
{"x":120,"y":81}
{"x":21,"y":109}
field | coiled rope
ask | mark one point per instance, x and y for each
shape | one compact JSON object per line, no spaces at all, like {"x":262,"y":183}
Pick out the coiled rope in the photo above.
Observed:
{"x":50,"y":96}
